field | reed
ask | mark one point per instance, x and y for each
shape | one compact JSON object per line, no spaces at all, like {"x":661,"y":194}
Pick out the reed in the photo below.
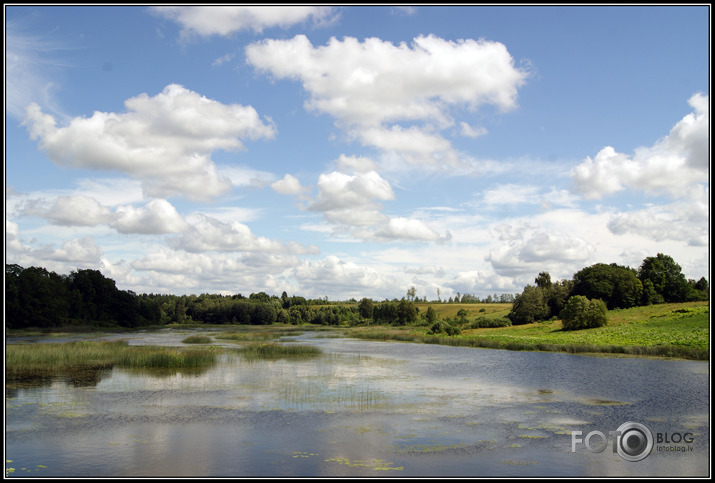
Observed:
{"x":50,"y":358}
{"x":197,"y":339}
{"x":247,"y":336}
{"x":277,"y":351}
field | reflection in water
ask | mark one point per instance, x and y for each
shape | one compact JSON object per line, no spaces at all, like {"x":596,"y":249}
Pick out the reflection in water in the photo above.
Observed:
{"x":362,"y":409}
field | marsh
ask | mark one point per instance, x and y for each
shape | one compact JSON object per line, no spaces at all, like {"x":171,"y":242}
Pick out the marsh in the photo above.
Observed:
{"x":357,"y":408}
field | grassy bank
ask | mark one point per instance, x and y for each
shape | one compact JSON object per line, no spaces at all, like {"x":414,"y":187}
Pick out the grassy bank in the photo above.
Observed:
{"x":667,"y":330}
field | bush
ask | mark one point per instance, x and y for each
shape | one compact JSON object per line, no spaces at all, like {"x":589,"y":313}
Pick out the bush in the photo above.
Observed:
{"x":485,"y":323}
{"x":443,"y":327}
{"x":582,"y":313}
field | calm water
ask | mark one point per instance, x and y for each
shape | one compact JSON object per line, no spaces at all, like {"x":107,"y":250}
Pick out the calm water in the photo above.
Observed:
{"x":363,"y":409}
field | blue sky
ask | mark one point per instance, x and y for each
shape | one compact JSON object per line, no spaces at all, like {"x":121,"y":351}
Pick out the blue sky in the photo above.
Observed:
{"x":355,"y":151}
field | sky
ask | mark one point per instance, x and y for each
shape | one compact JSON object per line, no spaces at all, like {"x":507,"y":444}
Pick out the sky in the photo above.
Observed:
{"x":349,"y":152}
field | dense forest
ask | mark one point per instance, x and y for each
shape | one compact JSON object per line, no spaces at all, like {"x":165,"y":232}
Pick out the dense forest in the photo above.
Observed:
{"x":36,"y":297}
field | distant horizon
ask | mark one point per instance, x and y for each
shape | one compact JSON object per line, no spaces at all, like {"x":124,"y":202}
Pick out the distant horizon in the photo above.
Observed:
{"x":350,"y":152}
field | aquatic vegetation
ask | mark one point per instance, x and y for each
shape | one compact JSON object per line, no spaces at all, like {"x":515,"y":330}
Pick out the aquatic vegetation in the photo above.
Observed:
{"x":428,"y":448}
{"x":329,"y":398}
{"x":302,"y":454}
{"x":518,"y":462}
{"x":277,"y":351}
{"x":28,"y":360}
{"x":250,"y":334}
{"x":377,"y":464}
{"x":246,"y":336}
{"x":197,"y":339}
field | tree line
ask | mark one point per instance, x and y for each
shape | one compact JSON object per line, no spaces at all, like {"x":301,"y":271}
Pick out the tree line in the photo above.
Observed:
{"x":36,"y":297}
{"x":602,"y":287}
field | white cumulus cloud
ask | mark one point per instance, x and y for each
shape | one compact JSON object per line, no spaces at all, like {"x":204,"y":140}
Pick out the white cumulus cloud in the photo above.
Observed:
{"x":410,"y":229}
{"x":289,"y":185}
{"x":165,"y":141}
{"x":672,"y":166}
{"x":372,"y":86}
{"x":332,"y":275}
{"x":225,"y":20}
{"x":210,"y":234}
{"x":352,"y":198}
{"x":157,"y":217}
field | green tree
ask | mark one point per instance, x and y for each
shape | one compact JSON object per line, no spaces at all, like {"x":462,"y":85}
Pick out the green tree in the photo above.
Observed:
{"x":557,"y":294}
{"x":666,"y":276}
{"x":650,"y":296}
{"x":582,"y":313}
{"x":698,"y":290}
{"x":34,"y":297}
{"x":385,"y":312}
{"x":617,"y":286}
{"x":365,"y":308}
{"x":529,"y":306}
{"x":431,"y":315}
{"x":406,"y":312}
{"x":543,"y":280}
{"x":260,"y":297}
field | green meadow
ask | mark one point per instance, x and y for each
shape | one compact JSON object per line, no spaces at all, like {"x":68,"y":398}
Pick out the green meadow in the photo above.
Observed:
{"x":665,"y":330}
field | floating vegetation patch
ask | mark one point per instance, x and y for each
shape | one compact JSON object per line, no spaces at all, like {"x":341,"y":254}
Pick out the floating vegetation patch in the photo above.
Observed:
{"x":556,"y":427}
{"x":605,"y":402}
{"x":62,"y":410}
{"x":518,"y":462}
{"x":429,"y":448}
{"x":302,"y":454}
{"x":376,"y":464}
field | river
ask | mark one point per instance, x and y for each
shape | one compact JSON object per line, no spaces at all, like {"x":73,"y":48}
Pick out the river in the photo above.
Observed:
{"x":363,"y":408}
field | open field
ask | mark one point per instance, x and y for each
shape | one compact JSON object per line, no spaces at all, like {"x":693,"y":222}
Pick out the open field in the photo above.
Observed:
{"x":666,"y":330}
{"x":473,"y":310}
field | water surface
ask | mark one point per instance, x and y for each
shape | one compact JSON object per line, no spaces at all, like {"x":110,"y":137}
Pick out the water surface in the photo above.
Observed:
{"x":361,"y":409}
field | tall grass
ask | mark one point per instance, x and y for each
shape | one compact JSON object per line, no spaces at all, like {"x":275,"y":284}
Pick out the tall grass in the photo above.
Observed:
{"x":197,"y":339}
{"x":246,"y":336}
{"x":47,"y":358}
{"x":278,"y":351}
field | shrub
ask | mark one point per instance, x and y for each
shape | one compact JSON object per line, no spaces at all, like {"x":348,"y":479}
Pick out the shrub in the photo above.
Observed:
{"x":582,"y":313}
{"x":443,"y":327}
{"x":484,"y":323}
